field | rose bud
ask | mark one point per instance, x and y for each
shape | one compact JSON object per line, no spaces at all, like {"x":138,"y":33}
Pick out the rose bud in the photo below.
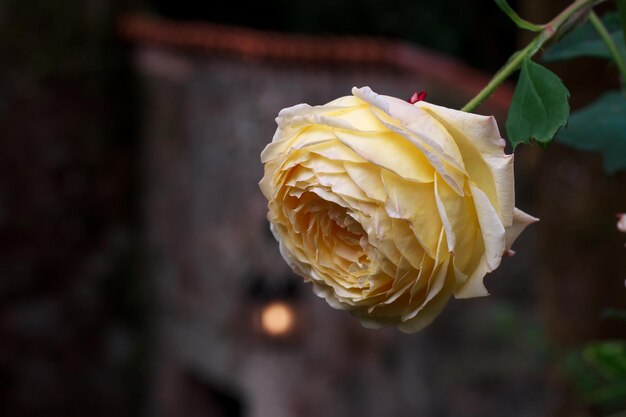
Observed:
{"x":621,"y":222}
{"x":390,"y":208}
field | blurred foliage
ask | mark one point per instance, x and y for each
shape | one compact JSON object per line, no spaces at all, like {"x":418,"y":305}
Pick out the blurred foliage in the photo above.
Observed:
{"x":599,"y":374}
{"x":509,"y":324}
{"x":585,"y":41}
{"x":474,"y":30}
{"x":600,"y":127}
{"x":599,"y":371}
{"x":612,"y":313}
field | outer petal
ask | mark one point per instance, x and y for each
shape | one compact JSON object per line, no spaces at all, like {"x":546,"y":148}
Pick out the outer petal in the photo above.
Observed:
{"x":445,"y":220}
{"x":419,"y":129}
{"x":468,"y":241}
{"x":520,"y":221}
{"x":494,"y":240}
{"x":431,"y":308}
{"x":481,"y":130}
{"x":491,"y":227}
{"x":482,"y":148}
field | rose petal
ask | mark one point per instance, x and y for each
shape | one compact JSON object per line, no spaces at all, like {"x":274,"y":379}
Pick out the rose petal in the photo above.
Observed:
{"x":390,"y":152}
{"x":493,"y":234}
{"x":520,"y":221}
{"x":414,"y":202}
{"x":479,"y":141}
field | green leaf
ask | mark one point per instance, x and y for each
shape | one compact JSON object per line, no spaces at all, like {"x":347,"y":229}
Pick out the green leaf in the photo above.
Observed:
{"x":600,"y":127}
{"x":539,"y":107}
{"x":585,"y":41}
{"x":609,"y":358}
{"x":512,"y":14}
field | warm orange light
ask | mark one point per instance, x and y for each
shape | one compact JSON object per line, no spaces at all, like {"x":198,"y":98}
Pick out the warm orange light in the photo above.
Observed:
{"x":277,"y":318}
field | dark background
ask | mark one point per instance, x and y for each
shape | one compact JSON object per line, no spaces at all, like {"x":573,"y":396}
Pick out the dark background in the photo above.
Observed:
{"x":454,"y":27}
{"x":76,"y":307}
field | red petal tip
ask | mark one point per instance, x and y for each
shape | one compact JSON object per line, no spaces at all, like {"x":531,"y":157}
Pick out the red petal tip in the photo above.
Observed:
{"x":417,"y":97}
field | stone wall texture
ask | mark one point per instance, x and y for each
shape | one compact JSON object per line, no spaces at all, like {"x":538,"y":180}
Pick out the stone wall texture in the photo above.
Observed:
{"x":206,"y":121}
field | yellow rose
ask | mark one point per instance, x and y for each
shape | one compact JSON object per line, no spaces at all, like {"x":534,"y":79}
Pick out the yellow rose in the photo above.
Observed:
{"x":389,"y":208}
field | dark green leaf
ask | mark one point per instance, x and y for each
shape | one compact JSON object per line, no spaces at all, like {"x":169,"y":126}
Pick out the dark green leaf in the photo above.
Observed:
{"x":585,"y":41}
{"x":600,"y":127}
{"x":539,"y":107}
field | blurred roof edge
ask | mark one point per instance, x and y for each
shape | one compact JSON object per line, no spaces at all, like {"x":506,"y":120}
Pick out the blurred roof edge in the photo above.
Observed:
{"x":267,"y":45}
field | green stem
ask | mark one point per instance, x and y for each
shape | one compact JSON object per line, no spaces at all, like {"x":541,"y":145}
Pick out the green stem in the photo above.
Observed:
{"x":550,"y":30}
{"x":608,"y":41}
{"x":512,"y":14}
{"x":511,"y":66}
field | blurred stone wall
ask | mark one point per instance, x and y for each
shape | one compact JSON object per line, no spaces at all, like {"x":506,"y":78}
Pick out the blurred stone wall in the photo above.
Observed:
{"x":206,"y":120}
{"x":71,"y":317}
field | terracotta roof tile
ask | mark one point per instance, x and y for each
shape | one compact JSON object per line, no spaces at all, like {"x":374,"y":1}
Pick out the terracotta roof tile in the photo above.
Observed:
{"x":257,"y":44}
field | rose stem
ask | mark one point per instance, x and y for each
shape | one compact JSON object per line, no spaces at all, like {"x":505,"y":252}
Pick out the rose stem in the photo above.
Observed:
{"x":550,"y":29}
{"x":606,"y":37}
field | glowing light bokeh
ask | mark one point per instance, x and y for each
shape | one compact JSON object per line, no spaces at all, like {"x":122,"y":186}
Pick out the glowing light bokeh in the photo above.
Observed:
{"x":277,"y":318}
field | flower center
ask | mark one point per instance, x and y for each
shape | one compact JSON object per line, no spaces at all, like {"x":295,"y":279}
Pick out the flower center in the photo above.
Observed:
{"x":333,"y":239}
